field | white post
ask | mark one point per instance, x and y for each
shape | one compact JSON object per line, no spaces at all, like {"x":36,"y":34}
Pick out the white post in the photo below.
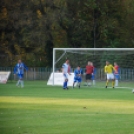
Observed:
{"x":53,"y":64}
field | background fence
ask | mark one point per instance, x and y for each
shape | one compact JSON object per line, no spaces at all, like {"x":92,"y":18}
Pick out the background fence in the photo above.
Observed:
{"x":33,"y":73}
{"x":42,"y":73}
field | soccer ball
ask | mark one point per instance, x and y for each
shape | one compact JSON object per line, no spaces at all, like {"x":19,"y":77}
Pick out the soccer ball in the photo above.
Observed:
{"x":133,"y":91}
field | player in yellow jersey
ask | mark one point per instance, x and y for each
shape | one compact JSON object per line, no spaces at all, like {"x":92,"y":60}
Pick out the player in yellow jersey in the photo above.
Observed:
{"x":109,"y":71}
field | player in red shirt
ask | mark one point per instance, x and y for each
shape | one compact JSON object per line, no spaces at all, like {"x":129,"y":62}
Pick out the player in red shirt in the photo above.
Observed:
{"x":89,"y":72}
{"x":116,"y":73}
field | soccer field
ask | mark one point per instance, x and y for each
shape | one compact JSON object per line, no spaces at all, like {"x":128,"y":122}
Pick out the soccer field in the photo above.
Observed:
{"x":41,"y":109}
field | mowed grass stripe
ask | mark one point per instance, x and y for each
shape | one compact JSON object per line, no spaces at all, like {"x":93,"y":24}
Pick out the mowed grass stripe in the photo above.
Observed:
{"x":118,"y":106}
{"x":39,"y":122}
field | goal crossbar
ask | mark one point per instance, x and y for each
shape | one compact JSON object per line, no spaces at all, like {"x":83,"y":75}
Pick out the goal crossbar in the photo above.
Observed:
{"x":96,"y":49}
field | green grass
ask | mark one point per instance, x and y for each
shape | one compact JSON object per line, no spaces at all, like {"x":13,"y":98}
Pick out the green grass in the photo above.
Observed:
{"x":41,"y":109}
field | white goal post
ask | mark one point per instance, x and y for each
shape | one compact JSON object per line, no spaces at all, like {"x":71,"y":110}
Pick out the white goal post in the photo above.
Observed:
{"x":89,"y":51}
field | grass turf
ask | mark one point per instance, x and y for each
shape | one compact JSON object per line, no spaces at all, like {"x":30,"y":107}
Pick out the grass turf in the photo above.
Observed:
{"x":41,"y":109}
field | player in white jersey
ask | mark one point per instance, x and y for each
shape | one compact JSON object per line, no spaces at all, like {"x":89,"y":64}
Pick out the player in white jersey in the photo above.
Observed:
{"x":65,"y":72}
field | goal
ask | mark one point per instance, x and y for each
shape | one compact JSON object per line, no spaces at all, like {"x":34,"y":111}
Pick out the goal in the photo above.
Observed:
{"x":124,"y":57}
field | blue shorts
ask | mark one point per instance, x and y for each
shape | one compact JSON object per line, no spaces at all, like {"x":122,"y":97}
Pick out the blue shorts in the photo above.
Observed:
{"x":117,"y":77}
{"x":77,"y":79}
{"x":20,"y":76}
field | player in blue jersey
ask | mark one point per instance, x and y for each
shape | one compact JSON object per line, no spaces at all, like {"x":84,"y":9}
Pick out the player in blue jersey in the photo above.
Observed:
{"x":19,"y":70}
{"x":65,"y":71}
{"x":77,"y":76}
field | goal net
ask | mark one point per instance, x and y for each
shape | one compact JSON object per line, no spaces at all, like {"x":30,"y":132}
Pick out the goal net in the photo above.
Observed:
{"x":124,"y":57}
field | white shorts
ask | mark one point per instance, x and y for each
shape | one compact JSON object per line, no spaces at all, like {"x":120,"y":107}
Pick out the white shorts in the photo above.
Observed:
{"x":110,"y":76}
{"x":65,"y":76}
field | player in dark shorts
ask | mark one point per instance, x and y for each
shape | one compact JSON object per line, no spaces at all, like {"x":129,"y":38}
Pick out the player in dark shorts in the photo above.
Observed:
{"x":89,"y":72}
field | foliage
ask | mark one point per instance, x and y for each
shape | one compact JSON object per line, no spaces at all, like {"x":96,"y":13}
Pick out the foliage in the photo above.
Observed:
{"x":29,"y":29}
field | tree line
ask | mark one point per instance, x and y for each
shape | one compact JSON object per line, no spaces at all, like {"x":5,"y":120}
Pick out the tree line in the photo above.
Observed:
{"x":30,"y":29}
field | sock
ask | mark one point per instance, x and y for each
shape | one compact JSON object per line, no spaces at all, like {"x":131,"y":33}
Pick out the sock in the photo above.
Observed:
{"x":76,"y":83}
{"x":89,"y":83}
{"x":116,"y":82}
{"x":22,"y":83}
{"x":18,"y":83}
{"x":86,"y":83}
{"x":64,"y":84}
{"x":79,"y":84}
{"x":73,"y":84}
{"x":107,"y":83}
{"x":93,"y":82}
{"x":113,"y":83}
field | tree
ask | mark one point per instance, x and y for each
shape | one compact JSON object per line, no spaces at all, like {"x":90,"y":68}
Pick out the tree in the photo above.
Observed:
{"x":29,"y":29}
